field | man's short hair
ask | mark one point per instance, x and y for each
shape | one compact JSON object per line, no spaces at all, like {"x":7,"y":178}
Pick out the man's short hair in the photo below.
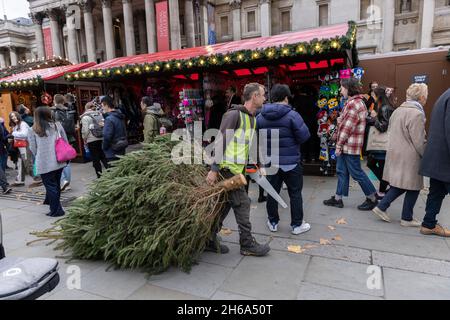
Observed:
{"x":147,"y":101}
{"x":279,"y":92}
{"x":108,"y":101}
{"x":250,"y":89}
{"x":59,"y":99}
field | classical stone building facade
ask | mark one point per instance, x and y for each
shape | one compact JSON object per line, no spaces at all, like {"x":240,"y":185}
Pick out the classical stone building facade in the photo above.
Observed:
{"x":98,"y":30}
{"x":16,"y":41}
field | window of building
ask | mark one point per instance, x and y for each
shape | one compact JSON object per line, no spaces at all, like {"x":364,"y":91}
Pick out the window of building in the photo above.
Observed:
{"x":286,"y":21}
{"x":182,"y":32}
{"x":405,"y":6}
{"x":323,"y":15}
{"x":224,"y":26}
{"x":251,"y":21}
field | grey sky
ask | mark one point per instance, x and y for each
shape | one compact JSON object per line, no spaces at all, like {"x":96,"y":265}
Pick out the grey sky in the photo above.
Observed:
{"x":14,"y":8}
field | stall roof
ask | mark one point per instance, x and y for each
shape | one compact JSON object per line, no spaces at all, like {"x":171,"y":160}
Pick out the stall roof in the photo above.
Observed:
{"x":35,"y":77}
{"x":306,"y":42}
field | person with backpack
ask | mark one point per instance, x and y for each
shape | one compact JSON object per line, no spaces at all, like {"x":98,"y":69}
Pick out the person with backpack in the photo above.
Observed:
{"x":66,"y":117}
{"x":115,"y":139}
{"x":152,"y":122}
{"x":92,"y":123}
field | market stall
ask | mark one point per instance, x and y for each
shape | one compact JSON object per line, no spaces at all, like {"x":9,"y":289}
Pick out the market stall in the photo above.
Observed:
{"x":190,"y":83}
{"x":37,"y":87}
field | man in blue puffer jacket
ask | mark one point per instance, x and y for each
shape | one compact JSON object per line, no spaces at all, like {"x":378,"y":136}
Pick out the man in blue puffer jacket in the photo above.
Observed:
{"x":292,"y":133}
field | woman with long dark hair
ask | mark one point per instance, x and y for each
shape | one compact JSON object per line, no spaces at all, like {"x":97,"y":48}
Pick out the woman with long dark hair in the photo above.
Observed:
{"x":379,"y":118}
{"x":42,"y":140}
{"x":19,"y":133}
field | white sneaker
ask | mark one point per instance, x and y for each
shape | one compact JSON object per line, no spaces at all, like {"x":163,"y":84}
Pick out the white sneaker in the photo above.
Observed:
{"x":65,"y":185}
{"x":273,"y":227}
{"x":301,"y":229}
{"x":413,"y":223}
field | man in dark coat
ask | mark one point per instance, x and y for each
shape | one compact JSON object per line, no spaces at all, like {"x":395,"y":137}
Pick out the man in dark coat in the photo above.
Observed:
{"x":114,"y":132}
{"x":292,"y":133}
{"x":436,"y":165}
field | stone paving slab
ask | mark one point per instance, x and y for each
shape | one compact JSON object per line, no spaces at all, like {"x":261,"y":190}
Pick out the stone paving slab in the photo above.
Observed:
{"x":231,"y":259}
{"x":202,"y":281}
{"x":310,"y":291}
{"x":407,"y":285}
{"x":150,"y":292}
{"x":74,"y":294}
{"x":338,"y":274}
{"x":410,"y":263}
{"x":223,"y":295}
{"x":276,"y":276}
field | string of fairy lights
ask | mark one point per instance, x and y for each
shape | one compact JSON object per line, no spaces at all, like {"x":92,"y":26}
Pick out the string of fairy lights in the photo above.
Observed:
{"x":312,"y":47}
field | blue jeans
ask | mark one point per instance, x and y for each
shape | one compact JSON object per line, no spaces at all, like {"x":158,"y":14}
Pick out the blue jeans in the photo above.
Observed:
{"x":438,"y":191}
{"x":3,"y":160}
{"x":52,"y":185}
{"x":351,"y":165}
{"x":66,"y":174}
{"x":408,"y":204}
{"x":294,"y":182}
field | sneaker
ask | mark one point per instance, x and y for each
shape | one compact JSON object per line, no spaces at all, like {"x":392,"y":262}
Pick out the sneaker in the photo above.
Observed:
{"x":368,"y":205}
{"x":301,"y":229}
{"x":332,"y":202}
{"x":438,"y":230}
{"x":65,"y":185}
{"x":381,"y":214}
{"x":273,"y":227}
{"x":413,"y":223}
{"x":6,"y":190}
{"x":216,"y":247}
{"x":255,"y":249}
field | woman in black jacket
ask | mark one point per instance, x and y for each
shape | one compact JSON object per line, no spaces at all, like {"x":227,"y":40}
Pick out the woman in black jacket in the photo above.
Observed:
{"x":379,"y":117}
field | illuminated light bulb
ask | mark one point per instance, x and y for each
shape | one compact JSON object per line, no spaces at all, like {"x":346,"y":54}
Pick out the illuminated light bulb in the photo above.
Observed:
{"x":240,"y":56}
{"x":214,"y":60}
{"x":147,"y":68}
{"x":178,"y":64}
{"x":202,"y":62}
{"x":168,"y":66}
{"x":256,"y":55}
{"x":285,"y":51}
{"x":190,"y":63}
{"x":157,"y":68}
{"x":137,"y":70}
{"x":227,"y":59}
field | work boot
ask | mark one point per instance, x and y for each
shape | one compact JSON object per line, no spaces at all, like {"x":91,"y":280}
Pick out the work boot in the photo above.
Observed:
{"x":255,"y":249}
{"x":332,"y":202}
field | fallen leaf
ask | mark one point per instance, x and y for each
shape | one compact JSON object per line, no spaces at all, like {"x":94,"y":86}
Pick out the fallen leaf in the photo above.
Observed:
{"x":331,"y":228}
{"x":324,"y":242}
{"x":341,"y":221}
{"x":337,"y":238}
{"x":309,"y":246}
{"x":225,"y":231}
{"x":295,"y":249}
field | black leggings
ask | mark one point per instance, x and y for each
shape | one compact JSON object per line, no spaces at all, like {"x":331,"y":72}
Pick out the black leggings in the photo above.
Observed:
{"x":377,"y":167}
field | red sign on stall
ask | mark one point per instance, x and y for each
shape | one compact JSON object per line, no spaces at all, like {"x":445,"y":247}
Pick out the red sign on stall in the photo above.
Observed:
{"x":162,"y":25}
{"x":48,"y":42}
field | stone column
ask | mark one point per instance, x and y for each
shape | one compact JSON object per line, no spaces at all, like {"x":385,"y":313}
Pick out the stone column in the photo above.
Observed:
{"x":189,"y":25}
{"x":13,"y":56}
{"x":174,"y":16}
{"x":55,"y":28}
{"x":40,"y":46}
{"x":2,"y":60}
{"x":204,"y":22}
{"x":388,"y":25}
{"x":426,"y":39}
{"x":72,"y":46}
{"x":87,"y":6}
{"x":266,"y":15}
{"x":130,"y":42}
{"x":235,"y":6}
{"x":109,"y":31}
{"x":151,"y":26}
{"x":142,"y":34}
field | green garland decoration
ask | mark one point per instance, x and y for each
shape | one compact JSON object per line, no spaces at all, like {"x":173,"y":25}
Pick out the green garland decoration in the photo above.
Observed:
{"x":22,"y":84}
{"x":315,"y":46}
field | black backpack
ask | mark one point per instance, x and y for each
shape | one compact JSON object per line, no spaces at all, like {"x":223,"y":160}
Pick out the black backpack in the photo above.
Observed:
{"x":96,"y":130}
{"x":67,"y":120}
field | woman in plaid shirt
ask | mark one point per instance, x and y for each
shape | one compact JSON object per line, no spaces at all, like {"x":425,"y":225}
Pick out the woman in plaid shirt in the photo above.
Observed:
{"x":349,"y":142}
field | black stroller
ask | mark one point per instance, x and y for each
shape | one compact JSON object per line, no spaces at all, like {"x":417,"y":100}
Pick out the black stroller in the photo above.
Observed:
{"x":25,"y":278}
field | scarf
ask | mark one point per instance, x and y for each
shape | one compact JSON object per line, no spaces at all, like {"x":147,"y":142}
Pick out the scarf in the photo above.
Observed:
{"x":418,"y":106}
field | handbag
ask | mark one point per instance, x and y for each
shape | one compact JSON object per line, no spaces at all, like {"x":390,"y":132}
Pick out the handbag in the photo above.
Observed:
{"x":376,"y":140}
{"x":120,"y":144}
{"x":20,"y":143}
{"x":64,"y":151}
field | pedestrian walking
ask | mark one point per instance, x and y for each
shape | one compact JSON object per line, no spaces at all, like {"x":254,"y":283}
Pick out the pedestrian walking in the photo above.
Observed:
{"x":25,"y":113}
{"x":42,"y":139}
{"x":239,"y":119}
{"x":92,"y":123}
{"x":3,"y":145}
{"x":115,"y":139}
{"x":404,"y":153}
{"x":3,"y":152}
{"x":379,"y":121}
{"x":152,"y":122}
{"x":436,"y":165}
{"x":349,"y":142}
{"x":292,"y":133}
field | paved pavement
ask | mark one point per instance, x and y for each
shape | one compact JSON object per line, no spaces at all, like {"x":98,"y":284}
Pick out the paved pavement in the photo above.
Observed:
{"x":365,"y":258}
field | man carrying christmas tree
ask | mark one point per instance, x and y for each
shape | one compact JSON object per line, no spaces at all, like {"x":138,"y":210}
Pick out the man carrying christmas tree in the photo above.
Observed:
{"x":240,"y":120}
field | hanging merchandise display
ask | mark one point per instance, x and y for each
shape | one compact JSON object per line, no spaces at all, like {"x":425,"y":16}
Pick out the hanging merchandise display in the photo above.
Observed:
{"x":191,"y":105}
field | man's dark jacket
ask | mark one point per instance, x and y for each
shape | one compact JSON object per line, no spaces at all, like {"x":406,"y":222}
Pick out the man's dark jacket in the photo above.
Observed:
{"x":113,"y":130}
